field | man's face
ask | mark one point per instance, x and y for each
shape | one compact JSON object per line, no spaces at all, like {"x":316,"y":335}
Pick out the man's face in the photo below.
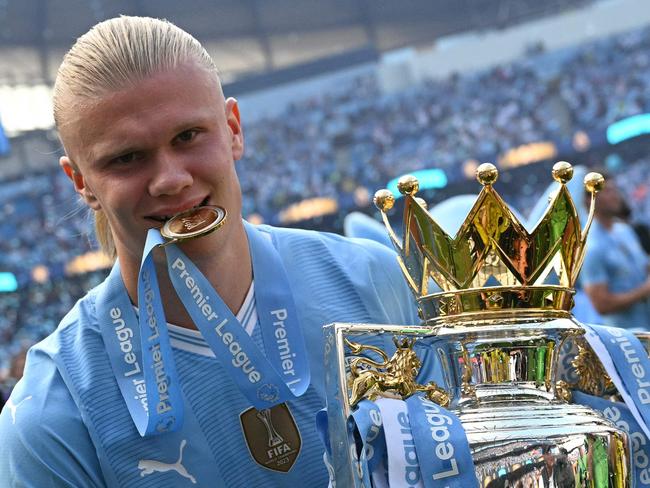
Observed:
{"x":153,"y":149}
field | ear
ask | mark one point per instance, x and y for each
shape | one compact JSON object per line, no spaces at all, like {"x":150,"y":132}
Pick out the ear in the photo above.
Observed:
{"x":234,"y":123}
{"x":79,"y":183}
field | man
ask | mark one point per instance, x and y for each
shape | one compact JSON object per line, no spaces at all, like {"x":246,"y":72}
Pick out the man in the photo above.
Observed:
{"x":147,"y":134}
{"x":615,"y":272}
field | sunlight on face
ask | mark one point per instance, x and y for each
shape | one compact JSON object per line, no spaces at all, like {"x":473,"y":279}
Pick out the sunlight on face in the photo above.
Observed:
{"x":162,"y":146}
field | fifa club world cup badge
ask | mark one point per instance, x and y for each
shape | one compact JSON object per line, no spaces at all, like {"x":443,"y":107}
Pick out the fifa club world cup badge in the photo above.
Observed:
{"x":272,"y":436}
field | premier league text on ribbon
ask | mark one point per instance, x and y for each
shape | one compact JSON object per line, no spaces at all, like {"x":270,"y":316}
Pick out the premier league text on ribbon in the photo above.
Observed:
{"x":412,"y":474}
{"x":640,"y":457}
{"x":239,"y":357}
{"x":282,"y":343}
{"x":438,"y":424}
{"x":633,"y":360}
{"x":162,"y":382}
{"x":124,"y":335}
{"x":142,"y":358}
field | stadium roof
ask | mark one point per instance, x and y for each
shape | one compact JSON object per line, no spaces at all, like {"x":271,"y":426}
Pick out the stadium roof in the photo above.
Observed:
{"x":253,"y":36}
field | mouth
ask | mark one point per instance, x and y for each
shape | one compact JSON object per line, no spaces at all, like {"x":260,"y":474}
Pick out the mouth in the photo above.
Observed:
{"x":164,"y":218}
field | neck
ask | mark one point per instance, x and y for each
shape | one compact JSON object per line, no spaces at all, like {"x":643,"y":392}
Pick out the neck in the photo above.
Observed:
{"x":228,"y":269}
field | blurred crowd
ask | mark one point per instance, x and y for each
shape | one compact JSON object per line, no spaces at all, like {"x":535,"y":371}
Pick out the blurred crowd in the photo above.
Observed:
{"x":357,"y":137}
{"x":634,"y":183}
{"x":354,"y":137}
{"x":31,"y":313}
{"x":42,"y":223}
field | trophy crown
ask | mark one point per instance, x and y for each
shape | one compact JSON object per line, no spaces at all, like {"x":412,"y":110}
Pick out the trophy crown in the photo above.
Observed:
{"x":493,"y":264}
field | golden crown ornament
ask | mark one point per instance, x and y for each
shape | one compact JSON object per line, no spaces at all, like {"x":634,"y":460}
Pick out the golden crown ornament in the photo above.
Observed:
{"x":493,"y":264}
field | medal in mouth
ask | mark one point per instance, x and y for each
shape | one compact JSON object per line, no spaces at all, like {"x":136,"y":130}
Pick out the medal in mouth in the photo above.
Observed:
{"x":192,"y":223}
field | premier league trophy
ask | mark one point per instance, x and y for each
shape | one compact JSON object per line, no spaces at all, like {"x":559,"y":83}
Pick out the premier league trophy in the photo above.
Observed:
{"x":485,"y":355}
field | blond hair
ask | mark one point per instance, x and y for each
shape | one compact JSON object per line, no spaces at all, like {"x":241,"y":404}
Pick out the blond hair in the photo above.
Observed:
{"x":114,"y":54}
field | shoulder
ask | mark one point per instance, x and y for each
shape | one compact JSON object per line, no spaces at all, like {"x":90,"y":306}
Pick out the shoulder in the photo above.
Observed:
{"x":336,"y":267}
{"x":80,"y":321}
{"x":351,"y":251}
{"x":626,"y":234}
{"x":44,"y":440}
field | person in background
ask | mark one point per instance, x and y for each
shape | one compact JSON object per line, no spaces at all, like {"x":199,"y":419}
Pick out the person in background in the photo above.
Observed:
{"x":642,"y":230}
{"x":615,"y":273}
{"x":16,"y":368}
{"x":149,"y":134}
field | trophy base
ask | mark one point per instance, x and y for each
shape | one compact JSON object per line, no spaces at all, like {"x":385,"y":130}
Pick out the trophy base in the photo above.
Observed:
{"x":560,"y":445}
{"x":502,"y":385}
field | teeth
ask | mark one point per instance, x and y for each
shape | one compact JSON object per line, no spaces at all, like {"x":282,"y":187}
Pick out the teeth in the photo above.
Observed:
{"x":167,"y":217}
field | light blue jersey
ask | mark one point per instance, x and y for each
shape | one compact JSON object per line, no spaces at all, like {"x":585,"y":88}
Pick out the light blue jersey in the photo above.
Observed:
{"x":68,"y":425}
{"x":615,"y":258}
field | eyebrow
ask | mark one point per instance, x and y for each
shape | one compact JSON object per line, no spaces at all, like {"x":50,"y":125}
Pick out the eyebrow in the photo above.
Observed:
{"x":100,"y":157}
{"x":203,"y":119}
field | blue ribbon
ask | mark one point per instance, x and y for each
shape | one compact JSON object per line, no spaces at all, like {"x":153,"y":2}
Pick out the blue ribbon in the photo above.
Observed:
{"x":402,"y":458}
{"x":264,"y":382}
{"x":631,"y":364}
{"x":164,"y":396}
{"x":425,"y":444}
{"x":147,"y":381}
{"x":123,"y":344}
{"x":441,"y":443}
{"x":367,"y":419}
{"x":141,"y":356}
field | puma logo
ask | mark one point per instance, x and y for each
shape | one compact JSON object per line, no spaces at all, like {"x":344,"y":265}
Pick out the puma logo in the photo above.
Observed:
{"x":148,"y":466}
{"x":13,"y":406}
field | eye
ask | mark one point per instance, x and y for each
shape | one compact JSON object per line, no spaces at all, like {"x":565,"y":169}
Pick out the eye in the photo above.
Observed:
{"x":126,"y":158}
{"x":186,"y":135}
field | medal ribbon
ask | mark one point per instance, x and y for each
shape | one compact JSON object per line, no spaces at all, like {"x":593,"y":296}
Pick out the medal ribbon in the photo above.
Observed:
{"x":139,"y":349}
{"x":264,"y":382}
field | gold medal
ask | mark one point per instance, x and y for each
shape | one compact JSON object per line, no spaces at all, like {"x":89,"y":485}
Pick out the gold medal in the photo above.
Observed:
{"x":192,"y":223}
{"x":272,"y":436}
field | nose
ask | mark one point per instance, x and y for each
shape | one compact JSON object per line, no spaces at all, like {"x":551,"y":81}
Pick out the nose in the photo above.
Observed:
{"x":170,"y":176}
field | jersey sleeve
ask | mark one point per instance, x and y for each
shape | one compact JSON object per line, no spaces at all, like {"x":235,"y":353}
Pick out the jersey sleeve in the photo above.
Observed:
{"x":43,"y":441}
{"x":388,"y":284}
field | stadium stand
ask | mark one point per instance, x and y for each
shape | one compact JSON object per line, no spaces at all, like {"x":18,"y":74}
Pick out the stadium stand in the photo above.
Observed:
{"x":336,"y":143}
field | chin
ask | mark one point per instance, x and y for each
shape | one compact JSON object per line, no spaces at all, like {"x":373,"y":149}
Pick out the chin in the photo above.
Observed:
{"x":200,"y":247}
